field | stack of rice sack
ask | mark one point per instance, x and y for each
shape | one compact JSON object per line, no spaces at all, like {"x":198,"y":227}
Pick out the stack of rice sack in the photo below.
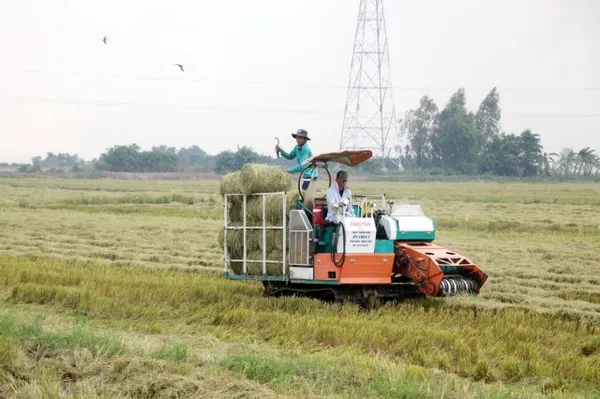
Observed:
{"x":253,"y":179}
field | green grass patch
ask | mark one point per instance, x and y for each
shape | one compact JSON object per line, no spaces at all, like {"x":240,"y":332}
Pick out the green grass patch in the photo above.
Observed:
{"x":345,"y":375}
{"x":175,"y":353}
{"x":305,"y":374}
{"x":35,"y":339}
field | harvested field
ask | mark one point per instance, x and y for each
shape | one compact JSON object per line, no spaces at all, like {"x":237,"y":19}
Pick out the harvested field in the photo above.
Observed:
{"x":111,"y":288}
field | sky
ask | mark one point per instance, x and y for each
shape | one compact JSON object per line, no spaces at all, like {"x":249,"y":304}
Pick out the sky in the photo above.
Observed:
{"x":255,"y":70}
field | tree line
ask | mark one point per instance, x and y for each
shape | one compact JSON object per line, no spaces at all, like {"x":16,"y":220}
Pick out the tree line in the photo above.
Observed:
{"x":53,"y":162}
{"x":168,"y":159}
{"x":449,"y":141}
{"x":161,"y":159}
{"x":456,"y":141}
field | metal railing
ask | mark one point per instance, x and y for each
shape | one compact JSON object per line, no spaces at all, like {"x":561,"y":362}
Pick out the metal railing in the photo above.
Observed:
{"x":300,"y":239}
{"x":245,"y":228}
{"x":370,"y":203}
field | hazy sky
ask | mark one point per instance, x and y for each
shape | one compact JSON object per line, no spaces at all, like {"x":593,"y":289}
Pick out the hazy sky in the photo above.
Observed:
{"x":264,"y":68}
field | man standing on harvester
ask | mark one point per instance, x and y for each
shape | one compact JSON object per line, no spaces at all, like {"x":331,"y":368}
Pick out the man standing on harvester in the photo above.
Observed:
{"x":337,"y":194}
{"x":301,"y":152}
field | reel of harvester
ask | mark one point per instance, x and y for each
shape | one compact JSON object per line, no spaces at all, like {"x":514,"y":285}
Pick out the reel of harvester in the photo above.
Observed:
{"x":436,"y":270}
{"x":457,"y":285}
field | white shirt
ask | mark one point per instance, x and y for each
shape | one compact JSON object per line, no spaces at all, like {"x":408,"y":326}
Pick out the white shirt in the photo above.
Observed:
{"x":334,"y":198}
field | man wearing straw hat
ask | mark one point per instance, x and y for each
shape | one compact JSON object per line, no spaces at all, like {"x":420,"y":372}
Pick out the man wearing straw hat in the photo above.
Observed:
{"x":301,"y":152}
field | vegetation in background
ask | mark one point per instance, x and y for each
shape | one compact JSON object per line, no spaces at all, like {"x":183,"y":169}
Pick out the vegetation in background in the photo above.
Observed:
{"x":455,"y":140}
{"x":450,"y":141}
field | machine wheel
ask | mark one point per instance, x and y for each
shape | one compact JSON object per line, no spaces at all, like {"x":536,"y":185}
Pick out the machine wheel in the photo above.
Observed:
{"x":367,"y":297}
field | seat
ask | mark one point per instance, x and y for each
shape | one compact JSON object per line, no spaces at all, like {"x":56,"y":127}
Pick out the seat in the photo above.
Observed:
{"x":320,"y":201}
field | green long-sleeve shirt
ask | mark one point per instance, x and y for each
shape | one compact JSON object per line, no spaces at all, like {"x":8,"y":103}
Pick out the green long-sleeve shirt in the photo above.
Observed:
{"x":301,"y":154}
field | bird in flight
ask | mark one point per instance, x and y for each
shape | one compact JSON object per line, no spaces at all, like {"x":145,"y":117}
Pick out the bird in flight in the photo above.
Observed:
{"x":180,"y":67}
{"x":105,"y":39}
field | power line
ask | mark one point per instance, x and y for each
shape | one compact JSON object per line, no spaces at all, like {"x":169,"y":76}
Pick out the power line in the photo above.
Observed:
{"x":104,"y":103}
{"x":273,"y":84}
{"x":166,"y":106}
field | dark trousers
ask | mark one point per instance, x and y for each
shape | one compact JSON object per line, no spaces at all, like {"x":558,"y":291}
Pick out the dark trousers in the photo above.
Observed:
{"x":305,"y":183}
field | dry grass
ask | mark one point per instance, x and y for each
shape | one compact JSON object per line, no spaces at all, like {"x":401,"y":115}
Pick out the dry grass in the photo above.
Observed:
{"x":532,"y":332}
{"x":259,"y":178}
{"x":46,"y":359}
{"x":231,"y":183}
{"x":512,"y":347}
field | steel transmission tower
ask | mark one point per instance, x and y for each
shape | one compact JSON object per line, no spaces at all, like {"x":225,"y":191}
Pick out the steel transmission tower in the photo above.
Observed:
{"x":370,"y":115}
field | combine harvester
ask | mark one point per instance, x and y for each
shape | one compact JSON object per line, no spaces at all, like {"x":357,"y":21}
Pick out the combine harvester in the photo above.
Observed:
{"x":385,"y":252}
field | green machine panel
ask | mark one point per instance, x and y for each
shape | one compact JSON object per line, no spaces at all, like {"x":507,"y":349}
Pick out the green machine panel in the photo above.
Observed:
{"x":384,"y":246}
{"x":416,"y":236}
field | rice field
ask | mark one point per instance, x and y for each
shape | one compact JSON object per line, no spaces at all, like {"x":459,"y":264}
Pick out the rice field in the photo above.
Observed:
{"x":111,"y":288}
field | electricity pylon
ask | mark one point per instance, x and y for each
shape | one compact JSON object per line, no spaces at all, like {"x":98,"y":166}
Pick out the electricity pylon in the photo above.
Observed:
{"x":370,"y":114}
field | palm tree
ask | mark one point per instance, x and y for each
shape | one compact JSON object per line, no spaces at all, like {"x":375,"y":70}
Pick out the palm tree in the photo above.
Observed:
{"x":568,"y":158}
{"x":549,"y":163}
{"x":580,"y":160}
{"x":597,"y":165}
{"x":591,"y":161}
{"x":585,"y":161}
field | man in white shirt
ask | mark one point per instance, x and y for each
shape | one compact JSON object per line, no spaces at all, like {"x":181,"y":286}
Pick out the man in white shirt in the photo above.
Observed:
{"x":337,"y":193}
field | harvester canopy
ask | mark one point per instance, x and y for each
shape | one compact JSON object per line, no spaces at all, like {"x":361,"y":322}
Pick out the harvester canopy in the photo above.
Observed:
{"x":348,"y":158}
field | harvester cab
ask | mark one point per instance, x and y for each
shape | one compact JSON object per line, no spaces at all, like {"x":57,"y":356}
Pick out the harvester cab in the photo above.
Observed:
{"x":382,"y":249}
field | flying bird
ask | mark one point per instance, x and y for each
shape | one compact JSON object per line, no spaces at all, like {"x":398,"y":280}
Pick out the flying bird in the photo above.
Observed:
{"x":180,"y":67}
{"x":105,"y":39}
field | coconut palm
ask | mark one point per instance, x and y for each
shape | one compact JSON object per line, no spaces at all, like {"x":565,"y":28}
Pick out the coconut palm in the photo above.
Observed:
{"x":596,"y":166}
{"x":549,"y":163}
{"x":589,"y":160}
{"x":585,"y":161}
{"x":567,"y":161}
{"x":580,"y":160}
